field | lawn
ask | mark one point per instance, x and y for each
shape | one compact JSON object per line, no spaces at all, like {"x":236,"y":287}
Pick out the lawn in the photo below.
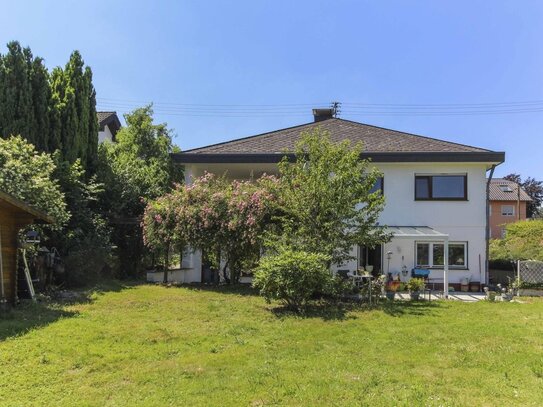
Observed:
{"x":152,"y":345}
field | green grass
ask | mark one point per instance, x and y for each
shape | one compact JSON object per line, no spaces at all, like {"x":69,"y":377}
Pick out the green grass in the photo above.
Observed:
{"x":151,"y":345}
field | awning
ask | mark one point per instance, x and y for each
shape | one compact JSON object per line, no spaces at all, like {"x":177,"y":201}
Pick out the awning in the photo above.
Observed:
{"x":426,"y":233}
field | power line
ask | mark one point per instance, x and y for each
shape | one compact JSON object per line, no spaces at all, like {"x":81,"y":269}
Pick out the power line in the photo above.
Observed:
{"x":349,"y":109}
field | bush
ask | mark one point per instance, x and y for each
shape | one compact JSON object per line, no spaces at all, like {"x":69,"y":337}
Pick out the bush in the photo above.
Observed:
{"x":293,"y":277}
{"x":415,"y":284}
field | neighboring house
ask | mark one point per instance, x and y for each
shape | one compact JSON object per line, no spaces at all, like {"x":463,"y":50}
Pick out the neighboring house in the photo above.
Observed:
{"x":109,"y":124}
{"x":14,"y":215}
{"x":507,"y":204}
{"x":435,"y":194}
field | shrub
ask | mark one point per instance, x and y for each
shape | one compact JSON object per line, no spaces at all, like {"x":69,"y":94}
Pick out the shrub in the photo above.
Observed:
{"x":292,"y":277}
{"x":415,"y":284}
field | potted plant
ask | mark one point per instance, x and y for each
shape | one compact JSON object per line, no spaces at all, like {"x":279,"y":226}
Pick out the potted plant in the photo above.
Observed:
{"x":474,"y":286}
{"x":415,"y":285}
{"x":464,"y":284}
{"x":390,"y":289}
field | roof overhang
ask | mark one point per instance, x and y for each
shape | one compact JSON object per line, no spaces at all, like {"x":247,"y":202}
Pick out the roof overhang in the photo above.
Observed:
{"x":112,"y":121}
{"x":490,"y":157}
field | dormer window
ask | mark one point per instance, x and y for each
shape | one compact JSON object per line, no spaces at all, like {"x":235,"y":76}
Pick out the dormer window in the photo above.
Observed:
{"x":506,"y":188}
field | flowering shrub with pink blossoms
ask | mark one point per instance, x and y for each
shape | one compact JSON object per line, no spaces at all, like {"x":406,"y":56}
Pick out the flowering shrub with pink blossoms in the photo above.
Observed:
{"x":225,"y":219}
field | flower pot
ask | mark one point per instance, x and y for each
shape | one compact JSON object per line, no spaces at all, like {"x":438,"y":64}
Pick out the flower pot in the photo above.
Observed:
{"x":474,"y":286}
{"x":415,"y":295}
{"x":390,"y":295}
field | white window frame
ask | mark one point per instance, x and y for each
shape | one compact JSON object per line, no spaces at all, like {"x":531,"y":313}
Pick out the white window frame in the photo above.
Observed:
{"x":508,"y":213}
{"x":431,"y":255}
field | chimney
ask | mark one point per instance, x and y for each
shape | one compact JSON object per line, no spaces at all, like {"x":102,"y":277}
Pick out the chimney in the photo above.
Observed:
{"x":323,"y":114}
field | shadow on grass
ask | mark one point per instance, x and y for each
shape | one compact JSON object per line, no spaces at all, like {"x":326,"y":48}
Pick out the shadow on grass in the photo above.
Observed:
{"x":401,"y":308}
{"x":233,"y":289}
{"x":343,"y":311}
{"x":27,"y":315}
{"x":323,"y":310}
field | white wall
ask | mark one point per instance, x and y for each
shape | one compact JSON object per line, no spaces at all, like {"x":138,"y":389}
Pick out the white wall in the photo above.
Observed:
{"x":105,"y":135}
{"x":462,"y":220}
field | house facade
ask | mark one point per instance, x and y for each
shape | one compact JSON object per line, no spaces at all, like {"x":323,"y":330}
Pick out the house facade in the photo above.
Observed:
{"x":108,"y":126}
{"x":435,"y":194}
{"x":507,"y":204}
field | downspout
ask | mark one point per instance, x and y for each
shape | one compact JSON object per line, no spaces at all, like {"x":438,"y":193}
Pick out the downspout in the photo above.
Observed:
{"x":487,"y":232}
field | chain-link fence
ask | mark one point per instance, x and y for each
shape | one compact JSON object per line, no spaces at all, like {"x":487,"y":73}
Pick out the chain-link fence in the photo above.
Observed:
{"x":530,"y":271}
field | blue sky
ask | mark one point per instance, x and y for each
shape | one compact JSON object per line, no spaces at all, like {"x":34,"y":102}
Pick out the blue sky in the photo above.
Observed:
{"x":291,"y":55}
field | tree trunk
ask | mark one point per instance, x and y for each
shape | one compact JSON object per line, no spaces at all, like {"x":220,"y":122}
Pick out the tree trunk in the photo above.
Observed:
{"x":166,"y":264}
{"x":226,"y":279}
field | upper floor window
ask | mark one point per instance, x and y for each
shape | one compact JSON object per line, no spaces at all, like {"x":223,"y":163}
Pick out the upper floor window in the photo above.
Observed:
{"x":505,"y":188}
{"x":378,"y":186}
{"x":441,"y":187}
{"x":508,"y":210}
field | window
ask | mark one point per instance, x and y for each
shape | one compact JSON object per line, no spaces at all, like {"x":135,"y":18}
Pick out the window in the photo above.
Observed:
{"x":430,"y":254}
{"x":508,"y":210}
{"x":441,"y":187}
{"x":505,"y":188}
{"x":379,"y":185}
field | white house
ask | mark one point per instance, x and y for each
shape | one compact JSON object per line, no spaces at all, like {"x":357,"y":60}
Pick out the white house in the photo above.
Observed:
{"x":435,"y":191}
{"x":109,"y":124}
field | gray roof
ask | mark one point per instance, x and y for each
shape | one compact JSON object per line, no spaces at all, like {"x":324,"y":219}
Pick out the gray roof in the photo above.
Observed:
{"x":376,"y":141}
{"x":505,"y":190}
{"x":110,"y":119}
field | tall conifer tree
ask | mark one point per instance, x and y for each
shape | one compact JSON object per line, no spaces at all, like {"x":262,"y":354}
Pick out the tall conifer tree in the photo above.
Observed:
{"x":16,"y":110}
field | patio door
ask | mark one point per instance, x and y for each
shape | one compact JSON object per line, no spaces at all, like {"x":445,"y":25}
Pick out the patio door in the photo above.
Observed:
{"x":371,"y":256}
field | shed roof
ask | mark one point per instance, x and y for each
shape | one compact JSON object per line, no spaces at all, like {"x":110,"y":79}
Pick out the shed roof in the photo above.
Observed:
{"x":13,"y":203}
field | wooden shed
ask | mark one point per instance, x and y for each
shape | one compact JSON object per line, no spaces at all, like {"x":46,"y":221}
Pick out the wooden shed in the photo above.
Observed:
{"x":14,"y":215}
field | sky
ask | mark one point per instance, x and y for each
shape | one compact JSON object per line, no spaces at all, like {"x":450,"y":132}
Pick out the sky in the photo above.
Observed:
{"x":464,"y":71}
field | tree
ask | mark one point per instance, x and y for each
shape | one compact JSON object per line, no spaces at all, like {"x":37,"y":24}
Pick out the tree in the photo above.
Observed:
{"x":135,"y":170}
{"x":84,"y":242}
{"x":523,"y":241}
{"x":74,"y":121}
{"x":226,"y":220}
{"x":28,"y":175}
{"x":533,"y":188}
{"x":16,"y":98}
{"x":160,"y":228}
{"x":41,"y":101}
{"x":53,"y":112}
{"x":325,"y":200}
